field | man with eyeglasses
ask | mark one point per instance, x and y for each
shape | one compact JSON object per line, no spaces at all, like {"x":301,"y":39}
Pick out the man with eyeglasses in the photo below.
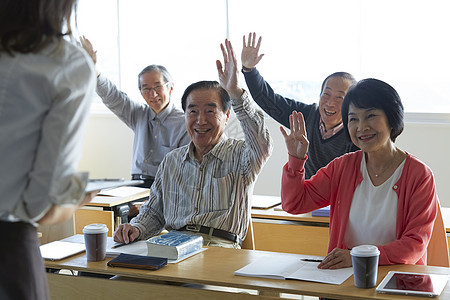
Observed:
{"x":158,"y":125}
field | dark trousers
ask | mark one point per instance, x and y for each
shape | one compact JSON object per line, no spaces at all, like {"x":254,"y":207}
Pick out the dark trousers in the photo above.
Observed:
{"x":22,"y":271}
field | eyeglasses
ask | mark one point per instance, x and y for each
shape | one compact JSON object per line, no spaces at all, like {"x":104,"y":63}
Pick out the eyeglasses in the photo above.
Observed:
{"x":157,"y":89}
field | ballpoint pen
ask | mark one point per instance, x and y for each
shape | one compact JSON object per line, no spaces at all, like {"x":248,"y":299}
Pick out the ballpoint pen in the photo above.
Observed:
{"x":123,"y":244}
{"x":311,"y":260}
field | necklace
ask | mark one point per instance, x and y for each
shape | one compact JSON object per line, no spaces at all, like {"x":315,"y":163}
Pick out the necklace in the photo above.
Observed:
{"x":388,"y":166}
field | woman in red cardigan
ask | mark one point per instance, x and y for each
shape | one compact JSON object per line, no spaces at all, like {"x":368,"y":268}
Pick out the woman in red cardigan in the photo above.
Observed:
{"x":380,"y":195}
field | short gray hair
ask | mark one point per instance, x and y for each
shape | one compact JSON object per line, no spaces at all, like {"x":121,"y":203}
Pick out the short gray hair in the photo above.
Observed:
{"x":165,"y":74}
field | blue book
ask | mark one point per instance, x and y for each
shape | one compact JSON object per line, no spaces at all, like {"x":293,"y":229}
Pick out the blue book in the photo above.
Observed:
{"x":138,"y":262}
{"x":174,"y":244}
{"x":321,"y":212}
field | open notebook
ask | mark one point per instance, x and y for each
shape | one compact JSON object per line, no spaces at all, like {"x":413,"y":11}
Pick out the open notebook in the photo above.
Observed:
{"x":293,"y":266}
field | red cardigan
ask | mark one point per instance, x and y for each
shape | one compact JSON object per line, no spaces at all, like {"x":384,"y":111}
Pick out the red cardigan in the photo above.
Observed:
{"x":335,"y":184}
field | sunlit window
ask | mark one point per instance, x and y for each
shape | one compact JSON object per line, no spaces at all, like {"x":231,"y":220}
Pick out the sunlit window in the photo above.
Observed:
{"x":403,"y":42}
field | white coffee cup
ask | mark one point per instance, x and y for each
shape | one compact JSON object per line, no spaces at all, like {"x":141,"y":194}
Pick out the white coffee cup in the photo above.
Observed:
{"x":95,"y":239}
{"x":365,"y":265}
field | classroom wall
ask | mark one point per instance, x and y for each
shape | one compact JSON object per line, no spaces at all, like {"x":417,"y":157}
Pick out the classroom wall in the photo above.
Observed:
{"x":108,"y":144}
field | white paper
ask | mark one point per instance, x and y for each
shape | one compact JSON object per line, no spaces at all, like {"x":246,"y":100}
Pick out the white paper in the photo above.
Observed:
{"x":77,"y":238}
{"x":58,"y":250}
{"x":291,"y":266}
{"x":123,"y":191}
{"x":136,"y":248}
{"x":98,"y":185}
{"x":264,"y":202}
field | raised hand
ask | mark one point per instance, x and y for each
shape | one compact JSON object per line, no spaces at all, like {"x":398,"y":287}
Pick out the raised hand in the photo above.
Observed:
{"x":249,"y":55}
{"x":86,"y":44}
{"x":228,"y":73}
{"x":296,"y":142}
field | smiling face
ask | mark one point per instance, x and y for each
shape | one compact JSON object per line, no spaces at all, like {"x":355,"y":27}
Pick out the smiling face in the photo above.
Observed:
{"x":155,"y":91}
{"x":331,"y":101}
{"x":205,"y":119}
{"x":369,"y":128}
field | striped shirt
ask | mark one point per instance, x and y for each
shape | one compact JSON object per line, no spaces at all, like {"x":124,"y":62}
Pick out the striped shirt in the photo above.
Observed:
{"x":216,"y":192}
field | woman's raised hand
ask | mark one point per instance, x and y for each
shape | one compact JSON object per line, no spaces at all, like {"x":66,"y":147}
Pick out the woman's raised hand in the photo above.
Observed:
{"x":296,"y":142}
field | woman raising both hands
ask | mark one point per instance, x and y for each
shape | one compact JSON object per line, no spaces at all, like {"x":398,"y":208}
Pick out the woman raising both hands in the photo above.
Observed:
{"x":380,"y":195}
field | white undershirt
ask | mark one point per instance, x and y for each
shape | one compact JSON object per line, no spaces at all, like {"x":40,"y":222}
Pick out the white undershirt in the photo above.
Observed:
{"x":373,"y":213}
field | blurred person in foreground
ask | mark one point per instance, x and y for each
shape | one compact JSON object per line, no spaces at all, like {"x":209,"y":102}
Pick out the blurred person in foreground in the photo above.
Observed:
{"x":46,"y":85}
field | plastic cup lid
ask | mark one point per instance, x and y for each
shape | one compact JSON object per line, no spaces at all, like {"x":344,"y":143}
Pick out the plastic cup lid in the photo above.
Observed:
{"x":95,"y":228}
{"x":365,"y":251}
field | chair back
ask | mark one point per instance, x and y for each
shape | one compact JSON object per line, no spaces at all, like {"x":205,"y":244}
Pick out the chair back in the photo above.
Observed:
{"x":249,"y":241}
{"x":437,"y":251}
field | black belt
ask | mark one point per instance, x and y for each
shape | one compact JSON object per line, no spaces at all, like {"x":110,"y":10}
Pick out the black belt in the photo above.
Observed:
{"x":215,"y":232}
{"x":141,"y":177}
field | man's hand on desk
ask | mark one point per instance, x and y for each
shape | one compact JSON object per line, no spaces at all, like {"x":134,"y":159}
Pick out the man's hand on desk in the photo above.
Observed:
{"x":126,"y":233}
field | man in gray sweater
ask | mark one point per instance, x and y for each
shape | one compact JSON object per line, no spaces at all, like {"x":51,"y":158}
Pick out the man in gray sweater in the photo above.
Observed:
{"x":323,"y":120}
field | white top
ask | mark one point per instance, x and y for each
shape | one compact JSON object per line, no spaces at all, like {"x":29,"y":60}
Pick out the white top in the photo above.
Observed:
{"x":44,"y":103}
{"x":373,"y":213}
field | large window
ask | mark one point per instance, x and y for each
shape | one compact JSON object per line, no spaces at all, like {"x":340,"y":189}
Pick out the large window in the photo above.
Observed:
{"x":403,"y":42}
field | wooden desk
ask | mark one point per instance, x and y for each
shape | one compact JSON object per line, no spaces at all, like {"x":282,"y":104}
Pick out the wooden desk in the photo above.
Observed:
{"x":214,"y":266}
{"x":102,"y":208}
{"x":279,"y":231}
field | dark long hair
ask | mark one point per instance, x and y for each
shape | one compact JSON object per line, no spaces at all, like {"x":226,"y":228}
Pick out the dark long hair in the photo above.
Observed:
{"x":27,"y":26}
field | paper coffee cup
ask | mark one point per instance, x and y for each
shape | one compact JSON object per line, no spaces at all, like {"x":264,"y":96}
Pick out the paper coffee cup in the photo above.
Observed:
{"x":365,"y":265}
{"x":95,"y":239}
